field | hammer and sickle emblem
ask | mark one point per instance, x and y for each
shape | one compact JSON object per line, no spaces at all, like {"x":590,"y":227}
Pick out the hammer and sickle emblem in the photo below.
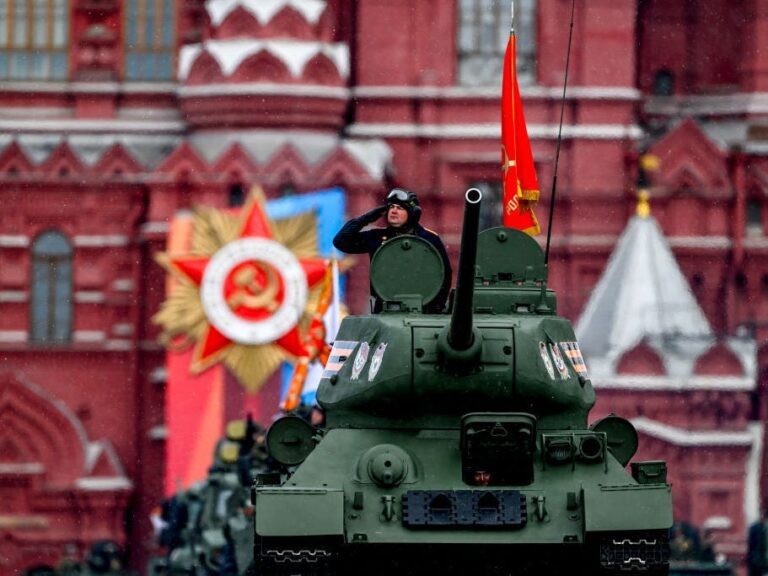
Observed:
{"x":513,"y":203}
{"x":249,"y":293}
{"x":506,"y":163}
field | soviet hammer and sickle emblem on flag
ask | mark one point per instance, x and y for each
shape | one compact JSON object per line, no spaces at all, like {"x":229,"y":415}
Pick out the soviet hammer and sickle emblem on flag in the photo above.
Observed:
{"x":513,"y":203}
{"x":255,"y":286}
{"x":506,"y":163}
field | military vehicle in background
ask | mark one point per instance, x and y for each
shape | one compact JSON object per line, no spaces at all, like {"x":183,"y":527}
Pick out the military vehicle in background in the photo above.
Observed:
{"x":691,"y":554}
{"x":104,"y":558}
{"x":208,"y":528}
{"x":459,"y":442}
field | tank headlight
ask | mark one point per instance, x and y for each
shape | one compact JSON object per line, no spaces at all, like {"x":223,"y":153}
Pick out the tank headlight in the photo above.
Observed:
{"x":559,"y":450}
{"x":590,"y":448}
{"x":387,"y":469}
{"x":387,"y":465}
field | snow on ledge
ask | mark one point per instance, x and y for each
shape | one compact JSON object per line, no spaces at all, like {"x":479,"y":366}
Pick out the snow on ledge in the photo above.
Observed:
{"x":264,"y":10}
{"x":12,"y":468}
{"x":104,"y":484}
{"x":717,"y":523}
{"x":642,"y":382}
{"x":683,"y":437}
{"x":293,"y":53}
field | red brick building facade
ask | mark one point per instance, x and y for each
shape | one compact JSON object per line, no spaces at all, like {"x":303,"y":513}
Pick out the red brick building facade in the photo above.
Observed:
{"x":114,"y":115}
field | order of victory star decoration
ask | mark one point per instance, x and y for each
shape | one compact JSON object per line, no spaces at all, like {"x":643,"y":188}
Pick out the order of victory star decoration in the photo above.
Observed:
{"x":246,"y":291}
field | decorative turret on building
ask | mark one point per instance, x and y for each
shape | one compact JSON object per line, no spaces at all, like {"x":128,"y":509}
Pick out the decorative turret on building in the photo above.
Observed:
{"x":263,"y":64}
{"x":653,"y":356}
{"x":643,"y":305}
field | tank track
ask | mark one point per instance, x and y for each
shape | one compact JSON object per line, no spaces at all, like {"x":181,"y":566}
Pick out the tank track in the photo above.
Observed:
{"x":296,"y":559}
{"x":634,"y":553}
{"x":609,"y":554}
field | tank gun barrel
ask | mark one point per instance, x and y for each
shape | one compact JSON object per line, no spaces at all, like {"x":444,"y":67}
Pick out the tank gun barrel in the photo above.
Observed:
{"x":460,"y":334}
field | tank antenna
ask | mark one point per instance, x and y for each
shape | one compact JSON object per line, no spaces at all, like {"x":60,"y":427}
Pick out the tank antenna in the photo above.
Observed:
{"x":559,"y":138}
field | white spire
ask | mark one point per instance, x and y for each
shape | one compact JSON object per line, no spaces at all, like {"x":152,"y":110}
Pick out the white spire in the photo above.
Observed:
{"x":641,"y":295}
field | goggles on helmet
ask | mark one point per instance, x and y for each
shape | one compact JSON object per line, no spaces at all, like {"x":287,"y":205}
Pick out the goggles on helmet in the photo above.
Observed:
{"x":397,"y":194}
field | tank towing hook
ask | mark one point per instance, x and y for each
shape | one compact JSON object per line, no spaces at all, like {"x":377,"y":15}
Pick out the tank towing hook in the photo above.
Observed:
{"x":541,"y":507}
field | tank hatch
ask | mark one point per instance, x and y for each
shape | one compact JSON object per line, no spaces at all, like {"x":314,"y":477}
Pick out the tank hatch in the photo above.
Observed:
{"x":511,"y":274}
{"x":494,"y":248}
{"x":407,"y":274}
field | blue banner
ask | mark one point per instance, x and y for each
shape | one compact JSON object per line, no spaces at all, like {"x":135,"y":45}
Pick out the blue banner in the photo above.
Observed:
{"x":329,"y":206}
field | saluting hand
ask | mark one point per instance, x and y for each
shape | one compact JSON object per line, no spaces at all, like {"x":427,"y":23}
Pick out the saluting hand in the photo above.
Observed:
{"x":375,"y":213}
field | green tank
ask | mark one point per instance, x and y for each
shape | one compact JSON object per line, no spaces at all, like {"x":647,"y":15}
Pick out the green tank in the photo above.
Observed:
{"x":459,"y":442}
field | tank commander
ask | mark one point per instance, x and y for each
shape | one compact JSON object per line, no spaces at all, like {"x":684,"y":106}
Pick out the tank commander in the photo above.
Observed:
{"x":403,"y":211}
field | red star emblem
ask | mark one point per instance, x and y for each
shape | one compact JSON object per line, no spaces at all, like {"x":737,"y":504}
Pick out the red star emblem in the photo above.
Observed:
{"x":253,"y":290}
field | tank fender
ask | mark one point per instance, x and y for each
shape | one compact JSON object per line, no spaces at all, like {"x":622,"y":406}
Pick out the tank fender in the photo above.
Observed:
{"x":651,"y":506}
{"x":289,"y":511}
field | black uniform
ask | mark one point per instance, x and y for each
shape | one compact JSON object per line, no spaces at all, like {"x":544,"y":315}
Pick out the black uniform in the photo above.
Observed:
{"x":757,"y":555}
{"x":352,"y":239}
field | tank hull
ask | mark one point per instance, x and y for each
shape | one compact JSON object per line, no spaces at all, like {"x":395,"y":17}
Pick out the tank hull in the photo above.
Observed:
{"x":458,"y":443}
{"x":340,"y":511}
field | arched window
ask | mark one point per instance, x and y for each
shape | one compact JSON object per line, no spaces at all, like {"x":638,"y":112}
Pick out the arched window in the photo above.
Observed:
{"x":663,"y":83}
{"x":34,"y":37}
{"x":51,"y":311}
{"x":286,"y":189}
{"x":236,"y":196}
{"x":150,"y":36}
{"x":741,"y":283}
{"x":482,"y":39}
{"x":754,"y":220}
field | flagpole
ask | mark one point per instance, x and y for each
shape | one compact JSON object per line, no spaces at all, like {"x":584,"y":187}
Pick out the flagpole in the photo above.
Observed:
{"x":512,"y":84}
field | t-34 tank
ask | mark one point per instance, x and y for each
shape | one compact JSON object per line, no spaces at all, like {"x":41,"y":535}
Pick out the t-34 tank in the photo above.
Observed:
{"x":459,"y":443}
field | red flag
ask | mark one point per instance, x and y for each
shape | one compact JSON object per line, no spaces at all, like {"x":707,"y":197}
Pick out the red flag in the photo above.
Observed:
{"x":521,"y":187}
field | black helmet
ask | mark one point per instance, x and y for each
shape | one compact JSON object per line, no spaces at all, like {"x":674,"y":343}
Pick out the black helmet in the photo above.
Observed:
{"x":105,"y":556}
{"x":407,"y":200}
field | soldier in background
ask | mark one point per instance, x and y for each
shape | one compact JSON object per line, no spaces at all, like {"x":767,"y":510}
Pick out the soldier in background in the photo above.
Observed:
{"x":69,"y":564}
{"x":684,"y":544}
{"x":757,"y":552}
{"x":105,"y":557}
{"x":207,"y":529}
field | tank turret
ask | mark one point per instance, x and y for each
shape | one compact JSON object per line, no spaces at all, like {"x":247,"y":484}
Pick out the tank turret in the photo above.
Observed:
{"x":501,"y":345}
{"x":459,"y":441}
